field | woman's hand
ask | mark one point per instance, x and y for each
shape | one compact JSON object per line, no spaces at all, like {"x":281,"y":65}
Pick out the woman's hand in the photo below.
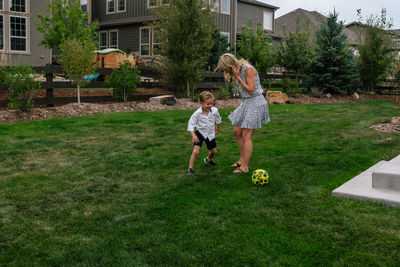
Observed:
{"x":236,"y":73}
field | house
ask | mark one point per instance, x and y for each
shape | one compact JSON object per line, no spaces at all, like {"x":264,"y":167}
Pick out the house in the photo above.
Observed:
{"x":19,"y":39}
{"x":124,"y":23}
{"x":289,"y":21}
{"x":354,"y":31}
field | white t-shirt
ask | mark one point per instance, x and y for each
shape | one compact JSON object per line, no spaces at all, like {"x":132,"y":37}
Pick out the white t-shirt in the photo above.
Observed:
{"x":205,"y":124}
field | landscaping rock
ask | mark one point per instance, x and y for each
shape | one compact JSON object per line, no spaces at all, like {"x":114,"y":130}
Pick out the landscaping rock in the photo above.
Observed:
{"x":328,"y":95}
{"x":396,"y":120}
{"x":276,"y":97}
{"x":163,"y":100}
{"x":356,"y":96}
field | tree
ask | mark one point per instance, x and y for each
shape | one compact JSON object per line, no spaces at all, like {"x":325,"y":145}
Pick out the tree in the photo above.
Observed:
{"x":376,"y":55}
{"x":77,"y":61}
{"x":123,"y":81}
{"x":185,"y":41}
{"x":296,"y":51}
{"x":334,"y":69}
{"x":256,"y":47}
{"x":65,"y":20}
{"x":220,"y":47}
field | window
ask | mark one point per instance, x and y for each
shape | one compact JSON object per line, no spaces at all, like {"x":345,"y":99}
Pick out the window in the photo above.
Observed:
{"x":18,"y":6}
{"x":267,"y":21}
{"x":103,"y":40}
{"x":113,"y":39}
{"x":121,"y":5}
{"x":156,"y":41}
{"x":1,"y":33}
{"x":114,"y":6}
{"x":18,"y":33}
{"x":154,"y":3}
{"x":226,"y":34}
{"x":110,"y":6}
{"x":225,"y":6}
{"x":14,"y":26}
{"x":145,"y":41}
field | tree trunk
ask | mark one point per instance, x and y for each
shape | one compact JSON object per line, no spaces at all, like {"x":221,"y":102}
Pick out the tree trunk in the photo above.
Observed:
{"x":187,"y":88}
{"x":79,"y":95}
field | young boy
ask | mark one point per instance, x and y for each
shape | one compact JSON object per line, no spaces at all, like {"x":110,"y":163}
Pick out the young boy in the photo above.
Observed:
{"x":204,"y":120}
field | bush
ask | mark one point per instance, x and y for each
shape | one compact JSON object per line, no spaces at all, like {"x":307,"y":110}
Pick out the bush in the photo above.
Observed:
{"x":289,"y":86}
{"x":222,"y":93}
{"x":123,"y":81}
{"x":23,"y":84}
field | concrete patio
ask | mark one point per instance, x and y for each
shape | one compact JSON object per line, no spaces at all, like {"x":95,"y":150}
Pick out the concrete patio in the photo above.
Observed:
{"x":380,"y":183}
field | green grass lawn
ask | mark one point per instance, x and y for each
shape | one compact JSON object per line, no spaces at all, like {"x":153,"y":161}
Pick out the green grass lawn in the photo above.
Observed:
{"x":112,"y":190}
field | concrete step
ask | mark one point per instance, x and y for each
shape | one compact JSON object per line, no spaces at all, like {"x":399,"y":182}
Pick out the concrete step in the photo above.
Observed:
{"x":387,"y":176}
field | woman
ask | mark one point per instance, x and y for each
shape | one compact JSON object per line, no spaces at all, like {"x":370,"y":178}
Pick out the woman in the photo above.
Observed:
{"x":252,"y":112}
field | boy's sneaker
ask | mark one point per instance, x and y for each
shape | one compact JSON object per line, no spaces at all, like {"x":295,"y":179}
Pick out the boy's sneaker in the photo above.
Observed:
{"x":190,"y":171}
{"x":209,"y":162}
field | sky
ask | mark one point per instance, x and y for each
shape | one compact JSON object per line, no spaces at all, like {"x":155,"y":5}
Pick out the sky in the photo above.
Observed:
{"x":347,"y":9}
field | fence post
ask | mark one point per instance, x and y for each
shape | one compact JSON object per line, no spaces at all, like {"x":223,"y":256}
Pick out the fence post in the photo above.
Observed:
{"x":49,"y":91}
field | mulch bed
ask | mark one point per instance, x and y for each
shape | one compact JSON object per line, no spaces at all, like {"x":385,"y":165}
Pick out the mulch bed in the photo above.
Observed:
{"x":73,"y":109}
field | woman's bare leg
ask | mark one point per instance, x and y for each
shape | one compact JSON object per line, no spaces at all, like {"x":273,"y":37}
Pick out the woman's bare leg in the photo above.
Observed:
{"x":247,"y":149}
{"x":237,"y":132}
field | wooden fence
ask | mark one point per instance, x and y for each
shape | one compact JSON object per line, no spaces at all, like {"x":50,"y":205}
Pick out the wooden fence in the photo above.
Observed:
{"x":151,"y":78}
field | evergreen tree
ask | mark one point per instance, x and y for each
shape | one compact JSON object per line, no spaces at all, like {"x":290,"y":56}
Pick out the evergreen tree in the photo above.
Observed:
{"x":334,"y":69}
{"x":296,"y":51}
{"x":185,"y":41}
{"x":376,"y":50}
{"x":220,"y":47}
{"x":256,"y":47}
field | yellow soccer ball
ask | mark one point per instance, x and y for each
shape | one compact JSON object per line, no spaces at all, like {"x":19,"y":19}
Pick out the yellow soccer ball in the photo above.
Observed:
{"x":260,"y":177}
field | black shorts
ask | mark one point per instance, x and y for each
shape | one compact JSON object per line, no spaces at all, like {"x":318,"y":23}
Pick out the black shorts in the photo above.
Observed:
{"x":210,"y":144}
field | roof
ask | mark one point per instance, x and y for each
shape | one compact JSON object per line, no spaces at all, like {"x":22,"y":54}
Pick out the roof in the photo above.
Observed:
{"x":108,"y":51}
{"x":257,"y":3}
{"x":289,"y":19}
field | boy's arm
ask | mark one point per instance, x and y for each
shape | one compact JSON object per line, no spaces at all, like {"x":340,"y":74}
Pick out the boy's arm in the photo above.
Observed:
{"x":217,"y":121}
{"x":191,"y":125}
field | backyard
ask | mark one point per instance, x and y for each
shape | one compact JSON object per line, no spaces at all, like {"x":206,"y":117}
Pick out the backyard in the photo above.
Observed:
{"x":111,"y":189}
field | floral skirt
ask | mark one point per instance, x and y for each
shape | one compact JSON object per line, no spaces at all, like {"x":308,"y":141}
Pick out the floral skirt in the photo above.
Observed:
{"x":251,"y":113}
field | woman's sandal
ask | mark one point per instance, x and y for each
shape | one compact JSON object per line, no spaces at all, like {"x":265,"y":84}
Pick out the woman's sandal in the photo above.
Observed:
{"x":236,"y":164}
{"x":239,"y":170}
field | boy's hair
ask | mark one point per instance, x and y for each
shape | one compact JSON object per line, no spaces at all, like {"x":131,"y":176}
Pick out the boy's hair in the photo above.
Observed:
{"x":206,"y":95}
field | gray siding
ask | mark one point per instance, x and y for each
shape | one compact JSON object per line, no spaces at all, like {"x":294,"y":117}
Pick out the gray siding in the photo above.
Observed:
{"x":135,"y":10}
{"x":226,"y":23}
{"x":36,"y":55}
{"x":128,"y":36}
{"x":246,"y":11}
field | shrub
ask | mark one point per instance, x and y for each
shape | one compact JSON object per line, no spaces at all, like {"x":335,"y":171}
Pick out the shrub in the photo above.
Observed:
{"x":289,"y":86}
{"x":23,"y":84}
{"x":123,"y":81}
{"x":222,"y":93}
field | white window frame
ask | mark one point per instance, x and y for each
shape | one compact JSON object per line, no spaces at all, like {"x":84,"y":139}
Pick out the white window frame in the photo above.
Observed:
{"x":109,"y":39}
{"x":116,"y":7}
{"x":140,"y":41}
{"x":27,"y":34}
{"x":152,"y":30}
{"x":110,"y":12}
{"x":229,"y":7}
{"x":271,"y":21}
{"x":227,"y":34}
{"x":157,"y":3}
{"x":106,"y":46}
{"x":19,"y":12}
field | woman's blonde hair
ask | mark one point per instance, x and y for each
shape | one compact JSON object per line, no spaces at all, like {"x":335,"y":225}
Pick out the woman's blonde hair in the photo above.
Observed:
{"x":227,"y":62}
